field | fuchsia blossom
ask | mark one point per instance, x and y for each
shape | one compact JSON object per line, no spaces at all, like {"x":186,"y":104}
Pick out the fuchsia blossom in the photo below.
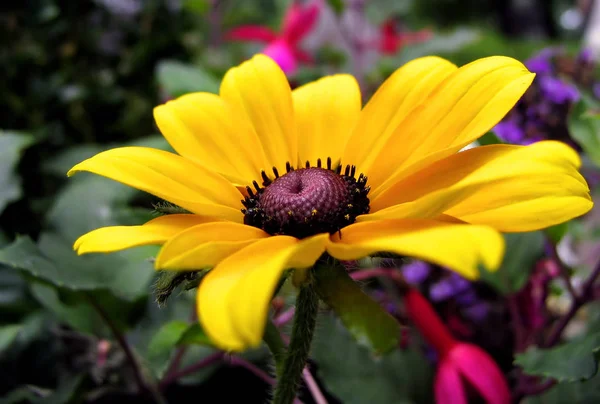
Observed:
{"x":283,"y":47}
{"x":391,"y":41}
{"x":460,"y":364}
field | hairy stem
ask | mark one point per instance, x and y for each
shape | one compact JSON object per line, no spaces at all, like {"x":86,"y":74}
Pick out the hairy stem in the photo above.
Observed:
{"x":307,"y":305}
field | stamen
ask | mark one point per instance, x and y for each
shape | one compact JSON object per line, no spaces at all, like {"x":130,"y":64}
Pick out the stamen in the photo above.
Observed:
{"x":307,"y":165}
{"x":319,"y":163}
{"x":256,"y":186}
{"x":288,"y":167}
{"x":266,"y":180}
{"x":329,"y":163}
{"x":275,"y":172}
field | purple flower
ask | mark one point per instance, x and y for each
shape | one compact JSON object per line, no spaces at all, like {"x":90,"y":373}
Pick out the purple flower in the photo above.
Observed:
{"x":509,"y":131}
{"x":416,"y":272}
{"x":542,"y":62}
{"x":448,"y":287}
{"x":557,"y":90}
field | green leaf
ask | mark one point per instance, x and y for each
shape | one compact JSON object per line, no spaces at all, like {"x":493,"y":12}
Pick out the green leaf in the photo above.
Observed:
{"x":368,"y":323}
{"x":587,"y":392}
{"x":126,"y":274}
{"x":522,"y":251}
{"x":337,"y":6}
{"x":8,"y":333}
{"x":38,"y":395}
{"x":584,"y":127}
{"x":195,"y":335}
{"x":81,"y":317}
{"x":354,"y":376}
{"x":161,"y":345}
{"x":557,"y":232}
{"x":573,"y":361}
{"x":11,"y":146}
{"x":178,"y":78}
{"x":489,"y":138}
{"x":200,"y":7}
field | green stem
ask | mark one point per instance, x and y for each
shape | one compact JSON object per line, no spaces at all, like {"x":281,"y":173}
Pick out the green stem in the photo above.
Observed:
{"x":276,"y":345}
{"x":307,"y":305}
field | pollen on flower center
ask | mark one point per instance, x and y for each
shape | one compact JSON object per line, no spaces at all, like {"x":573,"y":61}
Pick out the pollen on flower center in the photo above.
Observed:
{"x":307,"y":201}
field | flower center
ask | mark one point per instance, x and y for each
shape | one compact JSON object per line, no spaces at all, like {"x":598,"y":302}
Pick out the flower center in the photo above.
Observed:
{"x":307,"y":201}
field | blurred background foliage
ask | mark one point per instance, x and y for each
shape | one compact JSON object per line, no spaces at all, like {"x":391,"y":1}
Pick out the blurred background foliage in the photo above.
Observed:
{"x":82,"y":76}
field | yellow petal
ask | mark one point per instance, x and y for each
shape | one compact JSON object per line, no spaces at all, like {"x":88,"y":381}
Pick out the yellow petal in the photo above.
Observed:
{"x":205,"y":245}
{"x":156,"y":231}
{"x":233,"y":299}
{"x":464,"y":107}
{"x":459,"y":247}
{"x":326,"y":112}
{"x":170,"y":177}
{"x":403,"y":91}
{"x":202,"y":128}
{"x":259,"y":93}
{"x":511,"y":188}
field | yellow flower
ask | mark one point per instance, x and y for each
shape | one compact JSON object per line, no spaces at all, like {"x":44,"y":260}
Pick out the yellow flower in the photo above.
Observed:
{"x":257,"y":211}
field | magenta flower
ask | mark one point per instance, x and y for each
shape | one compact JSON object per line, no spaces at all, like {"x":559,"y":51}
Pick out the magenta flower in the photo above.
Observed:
{"x":283,"y":47}
{"x":460,"y":365}
{"x":391,"y":41}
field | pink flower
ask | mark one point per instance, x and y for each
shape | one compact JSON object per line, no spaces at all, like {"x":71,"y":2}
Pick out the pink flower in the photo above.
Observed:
{"x":460,"y":364}
{"x":391,"y":41}
{"x":283,"y":47}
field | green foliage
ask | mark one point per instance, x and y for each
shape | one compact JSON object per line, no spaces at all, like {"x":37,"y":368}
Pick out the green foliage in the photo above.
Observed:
{"x":12,"y":145}
{"x":176,"y":78}
{"x":8,"y":333}
{"x":584,"y":127}
{"x":125,"y":274}
{"x":368,"y":323}
{"x":337,"y":6}
{"x":521,"y":253}
{"x":161,"y":346}
{"x":194,"y":335}
{"x":587,"y":392}
{"x":575,"y":360}
{"x":351,"y":373}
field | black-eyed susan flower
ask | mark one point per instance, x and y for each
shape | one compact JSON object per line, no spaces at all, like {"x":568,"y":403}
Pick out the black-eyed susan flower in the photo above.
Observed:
{"x":276,"y":178}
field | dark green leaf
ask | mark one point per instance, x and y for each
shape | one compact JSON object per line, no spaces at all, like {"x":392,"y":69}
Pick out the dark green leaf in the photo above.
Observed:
{"x":368,"y":323}
{"x":163,"y":343}
{"x":557,"y":232}
{"x":127,"y":274}
{"x":337,"y":6}
{"x":350,"y":372}
{"x":489,"y":138}
{"x":80,"y":316}
{"x":38,"y":395}
{"x":573,"y":361}
{"x":199,"y":7}
{"x":11,"y":146}
{"x":584,"y":127}
{"x":522,"y":251}
{"x":8,"y":333}
{"x":587,"y":392}
{"x":178,"y":78}
{"x":195,"y":335}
